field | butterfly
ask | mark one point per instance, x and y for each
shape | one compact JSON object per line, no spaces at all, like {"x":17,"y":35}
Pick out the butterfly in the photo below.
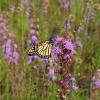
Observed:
{"x":43,"y":50}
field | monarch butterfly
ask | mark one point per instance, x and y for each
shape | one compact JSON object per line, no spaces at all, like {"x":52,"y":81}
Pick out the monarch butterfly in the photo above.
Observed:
{"x":43,"y":49}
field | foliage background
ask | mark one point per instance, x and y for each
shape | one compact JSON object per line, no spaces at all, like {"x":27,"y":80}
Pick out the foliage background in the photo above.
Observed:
{"x":17,"y":23}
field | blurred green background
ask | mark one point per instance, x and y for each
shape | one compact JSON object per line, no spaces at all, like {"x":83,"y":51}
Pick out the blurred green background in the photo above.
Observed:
{"x":49,"y":23}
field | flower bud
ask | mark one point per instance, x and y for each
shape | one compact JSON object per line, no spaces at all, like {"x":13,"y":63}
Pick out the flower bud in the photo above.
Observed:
{"x":61,"y":81}
{"x":62,"y":70}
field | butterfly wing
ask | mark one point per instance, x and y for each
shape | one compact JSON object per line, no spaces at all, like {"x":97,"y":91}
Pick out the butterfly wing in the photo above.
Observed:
{"x":44,"y":50}
{"x":33,"y":50}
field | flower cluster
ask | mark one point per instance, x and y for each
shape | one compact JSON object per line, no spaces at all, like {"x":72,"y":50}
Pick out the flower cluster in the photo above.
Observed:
{"x":66,"y":86}
{"x":33,"y":24}
{"x":61,"y":56}
{"x":3,"y":28}
{"x":33,"y":35}
{"x":51,"y":74}
{"x":10,"y":49}
{"x":67,"y":25}
{"x":62,"y":49}
{"x":65,"y":4}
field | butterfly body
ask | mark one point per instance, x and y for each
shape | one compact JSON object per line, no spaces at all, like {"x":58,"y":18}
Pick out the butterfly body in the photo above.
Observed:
{"x":43,"y":50}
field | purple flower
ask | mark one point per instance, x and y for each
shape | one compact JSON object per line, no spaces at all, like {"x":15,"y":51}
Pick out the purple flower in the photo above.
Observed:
{"x":10,"y":51}
{"x":80,"y":29}
{"x":66,"y":84}
{"x":69,"y":45}
{"x":51,"y":74}
{"x":3,"y":27}
{"x":73,"y":81}
{"x":58,"y":40}
{"x":8,"y":56}
{"x":15,"y":57}
{"x":24,"y":2}
{"x":54,"y":78}
{"x":66,"y":5}
{"x":32,"y":58}
{"x":32,"y":23}
{"x":67,"y":26}
{"x":78,"y":42}
{"x":9,"y":48}
{"x":15,"y":46}
{"x":46,"y":9}
{"x":8,"y":44}
{"x":32,"y":32}
{"x":33,"y":40}
{"x":74,"y":87}
{"x":62,"y":49}
{"x":96,"y":84}
{"x":96,"y":80}
{"x":46,"y":62}
{"x":56,"y":50}
{"x":15,"y":54}
{"x":67,"y":57}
